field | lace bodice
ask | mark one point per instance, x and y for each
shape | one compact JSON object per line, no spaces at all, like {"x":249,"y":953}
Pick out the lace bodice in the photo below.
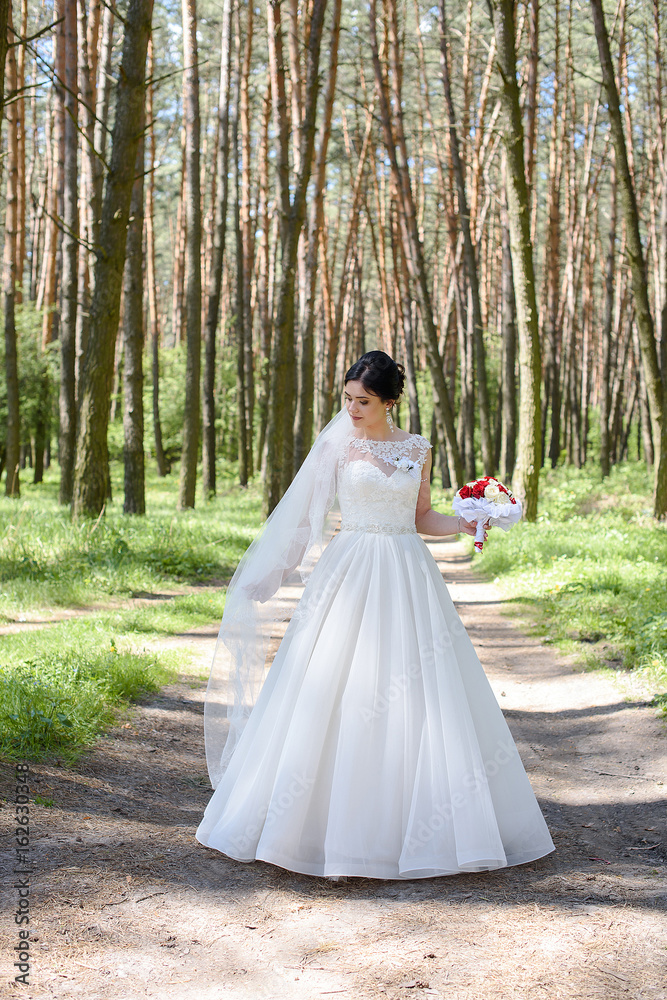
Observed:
{"x":378,"y":483}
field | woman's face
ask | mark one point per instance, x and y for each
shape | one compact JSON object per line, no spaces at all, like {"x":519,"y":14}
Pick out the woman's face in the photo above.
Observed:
{"x":365,"y":408}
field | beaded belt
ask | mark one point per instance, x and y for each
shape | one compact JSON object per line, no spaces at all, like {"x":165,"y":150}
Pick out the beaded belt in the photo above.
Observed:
{"x":380,"y":529}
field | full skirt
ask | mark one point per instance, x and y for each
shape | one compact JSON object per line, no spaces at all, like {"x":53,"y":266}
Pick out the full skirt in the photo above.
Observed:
{"x":376,"y":747}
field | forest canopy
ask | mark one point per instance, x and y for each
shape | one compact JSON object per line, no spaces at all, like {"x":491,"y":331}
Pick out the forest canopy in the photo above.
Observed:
{"x":212,"y":209}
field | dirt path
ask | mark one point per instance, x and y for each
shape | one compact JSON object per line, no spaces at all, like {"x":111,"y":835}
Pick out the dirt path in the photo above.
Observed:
{"x":126,"y":904}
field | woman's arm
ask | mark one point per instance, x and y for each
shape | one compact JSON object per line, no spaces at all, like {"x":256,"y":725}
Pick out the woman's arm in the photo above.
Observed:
{"x":431,"y":522}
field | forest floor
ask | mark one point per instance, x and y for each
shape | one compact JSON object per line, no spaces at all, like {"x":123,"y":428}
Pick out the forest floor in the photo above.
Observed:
{"x":125,"y":903}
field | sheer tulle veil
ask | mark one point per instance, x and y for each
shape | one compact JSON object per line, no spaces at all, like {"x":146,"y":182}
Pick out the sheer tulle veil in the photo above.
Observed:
{"x":262,"y":592}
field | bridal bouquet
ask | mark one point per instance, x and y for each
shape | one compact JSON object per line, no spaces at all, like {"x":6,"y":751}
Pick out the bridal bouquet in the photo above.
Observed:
{"x":487,"y":500}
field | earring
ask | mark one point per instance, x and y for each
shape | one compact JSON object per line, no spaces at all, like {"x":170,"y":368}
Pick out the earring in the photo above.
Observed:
{"x":390,"y":422}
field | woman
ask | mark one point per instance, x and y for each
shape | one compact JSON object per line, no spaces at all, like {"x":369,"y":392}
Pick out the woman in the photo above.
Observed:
{"x":375,"y":746}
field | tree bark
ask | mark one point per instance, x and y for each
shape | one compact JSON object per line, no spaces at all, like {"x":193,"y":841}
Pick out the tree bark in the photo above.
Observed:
{"x":179,"y":242}
{"x":91,"y":469}
{"x":70,"y":248}
{"x":280,"y":434}
{"x":530,"y":106}
{"x":13,"y":439}
{"x":654,"y":385}
{"x":21,"y":178}
{"x":54,"y":144}
{"x":304,"y":413}
{"x":551,"y":325}
{"x":281,"y":119}
{"x":103,"y":97}
{"x":240,"y":299}
{"x":336,"y":322}
{"x":508,"y":419}
{"x":190,"y":449}
{"x":605,"y":337}
{"x":218,"y":255}
{"x":247,"y":228}
{"x":264,"y":281}
{"x":163,"y":466}
{"x":133,"y":343}
{"x":415,"y":257}
{"x":470,"y":253}
{"x":527,"y":472}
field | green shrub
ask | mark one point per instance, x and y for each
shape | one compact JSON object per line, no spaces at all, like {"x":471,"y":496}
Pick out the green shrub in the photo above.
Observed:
{"x":59,"y":703}
{"x":592,"y":567}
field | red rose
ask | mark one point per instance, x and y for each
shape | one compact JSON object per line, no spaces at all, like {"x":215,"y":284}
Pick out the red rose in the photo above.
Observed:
{"x":478,"y":489}
{"x":465,"y":492}
{"x":512,"y":500}
{"x":504,"y":489}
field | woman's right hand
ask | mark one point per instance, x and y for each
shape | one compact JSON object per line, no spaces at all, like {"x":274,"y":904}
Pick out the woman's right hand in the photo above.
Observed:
{"x":470,"y":527}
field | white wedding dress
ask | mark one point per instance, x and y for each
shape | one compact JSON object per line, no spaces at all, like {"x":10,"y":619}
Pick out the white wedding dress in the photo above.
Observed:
{"x":376,"y":747}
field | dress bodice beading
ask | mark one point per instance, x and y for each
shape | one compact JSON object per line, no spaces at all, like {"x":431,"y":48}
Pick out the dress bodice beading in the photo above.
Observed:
{"x":378,"y":484}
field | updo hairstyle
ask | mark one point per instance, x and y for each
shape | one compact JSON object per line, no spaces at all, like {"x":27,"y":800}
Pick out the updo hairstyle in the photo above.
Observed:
{"x":379,"y":374}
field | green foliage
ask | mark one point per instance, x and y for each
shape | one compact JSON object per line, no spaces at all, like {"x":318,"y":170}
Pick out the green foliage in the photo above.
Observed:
{"x":38,"y":374}
{"x":172,"y":401}
{"x":592,"y":568}
{"x":59,"y":702}
{"x":61,"y":685}
{"x":47,"y":559}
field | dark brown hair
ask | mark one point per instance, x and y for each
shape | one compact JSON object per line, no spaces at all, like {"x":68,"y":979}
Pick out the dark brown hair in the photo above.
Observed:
{"x":379,"y":374}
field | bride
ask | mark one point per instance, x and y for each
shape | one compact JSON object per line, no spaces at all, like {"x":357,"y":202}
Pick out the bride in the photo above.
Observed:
{"x":374,"y":746}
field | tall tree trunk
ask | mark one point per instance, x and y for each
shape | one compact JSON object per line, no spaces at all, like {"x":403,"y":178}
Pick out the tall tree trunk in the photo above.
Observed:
{"x":89,"y":29}
{"x":42,"y":426}
{"x":264,"y":280}
{"x":247,"y":228}
{"x":415,"y":256}
{"x":189,"y":453}
{"x":133,"y":343}
{"x":239,"y":319}
{"x":179,"y":251}
{"x":280,"y":435}
{"x":281,"y":120}
{"x":527,"y":472}
{"x":103,"y":97}
{"x":13,"y":439}
{"x":218,"y":255}
{"x":163,"y":466}
{"x":54,"y":143}
{"x":552,"y":327}
{"x":334,"y":358}
{"x":409,"y":328}
{"x":508,"y":421}
{"x":21,"y":178}
{"x":91,"y":469}
{"x":530,"y":105}
{"x":70,"y":267}
{"x":605,"y":336}
{"x":470,"y":252}
{"x":305,"y":402}
{"x":656,"y":391}
{"x":661,"y":241}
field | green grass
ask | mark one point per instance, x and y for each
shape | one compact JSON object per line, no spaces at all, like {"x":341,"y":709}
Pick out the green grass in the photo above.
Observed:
{"x":58,"y":703}
{"x":592,"y":569}
{"x":47,"y":560}
{"x":62,"y":685}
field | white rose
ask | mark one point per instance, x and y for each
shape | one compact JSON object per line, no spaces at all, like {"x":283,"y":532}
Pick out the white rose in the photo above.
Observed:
{"x":492,"y":492}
